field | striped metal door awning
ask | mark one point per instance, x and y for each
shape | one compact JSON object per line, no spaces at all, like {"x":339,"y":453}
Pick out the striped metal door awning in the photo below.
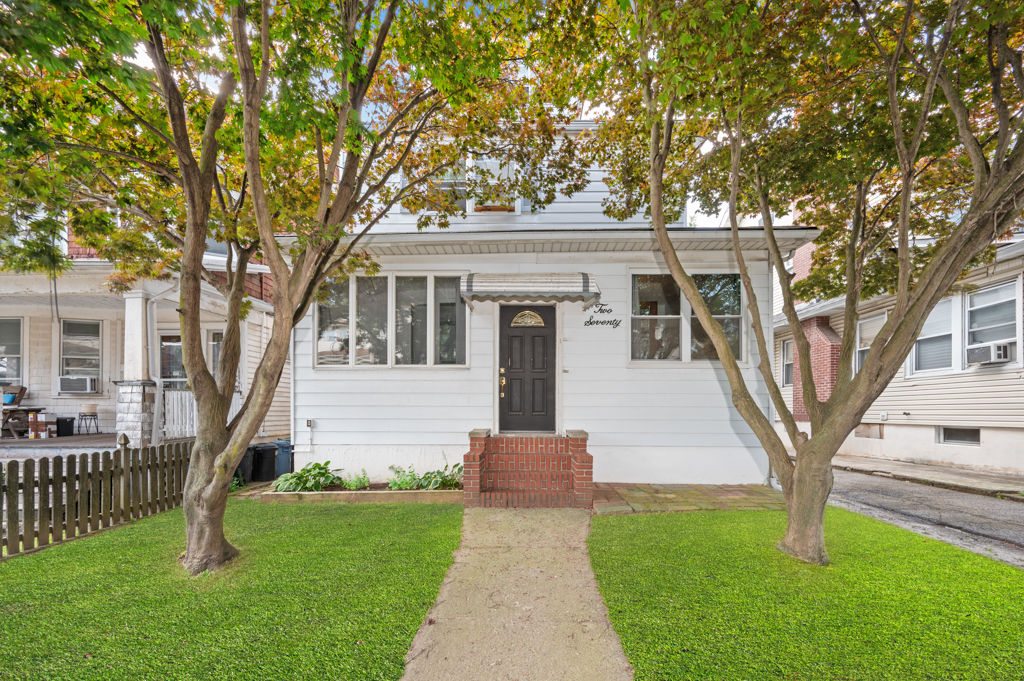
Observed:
{"x":530,"y":287}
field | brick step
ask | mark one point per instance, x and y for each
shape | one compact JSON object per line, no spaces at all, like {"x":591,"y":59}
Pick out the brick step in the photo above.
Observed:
{"x":518,"y":498}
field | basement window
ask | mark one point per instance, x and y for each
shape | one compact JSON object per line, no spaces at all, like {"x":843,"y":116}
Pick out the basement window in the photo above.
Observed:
{"x":960,"y":436}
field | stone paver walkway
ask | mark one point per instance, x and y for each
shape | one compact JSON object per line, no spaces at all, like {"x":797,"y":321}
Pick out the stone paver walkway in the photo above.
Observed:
{"x":520,"y":602}
{"x":613,"y":497}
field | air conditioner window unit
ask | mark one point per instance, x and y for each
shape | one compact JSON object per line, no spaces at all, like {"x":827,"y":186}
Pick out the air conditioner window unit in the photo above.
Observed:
{"x":990,"y":353}
{"x":79,"y":384}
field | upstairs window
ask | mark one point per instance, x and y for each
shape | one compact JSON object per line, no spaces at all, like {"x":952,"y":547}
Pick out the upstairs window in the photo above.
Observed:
{"x":80,"y":349}
{"x":934,"y":347}
{"x":787,"y":363}
{"x":394,"y":322}
{"x":992,"y":318}
{"x":867,"y":329}
{"x":10,"y":351}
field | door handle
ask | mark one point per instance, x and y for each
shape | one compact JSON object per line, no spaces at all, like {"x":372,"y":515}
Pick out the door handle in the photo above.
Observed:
{"x":502,"y":383}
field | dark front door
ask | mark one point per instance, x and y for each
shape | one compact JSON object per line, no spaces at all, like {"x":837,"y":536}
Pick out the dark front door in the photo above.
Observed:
{"x":527,"y":365}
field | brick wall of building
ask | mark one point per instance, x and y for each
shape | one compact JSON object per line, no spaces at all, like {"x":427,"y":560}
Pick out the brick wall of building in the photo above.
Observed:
{"x":825,"y":347}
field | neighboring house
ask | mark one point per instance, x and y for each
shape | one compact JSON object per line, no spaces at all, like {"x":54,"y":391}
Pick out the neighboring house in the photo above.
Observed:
{"x":72,"y":343}
{"x":536,"y":325}
{"x":959,"y":399}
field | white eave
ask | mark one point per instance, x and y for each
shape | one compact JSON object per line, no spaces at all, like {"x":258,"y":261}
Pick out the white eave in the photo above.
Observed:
{"x":575,"y":241}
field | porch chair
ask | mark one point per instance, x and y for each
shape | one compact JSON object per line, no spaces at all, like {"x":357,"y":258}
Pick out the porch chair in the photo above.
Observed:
{"x":12,"y":416}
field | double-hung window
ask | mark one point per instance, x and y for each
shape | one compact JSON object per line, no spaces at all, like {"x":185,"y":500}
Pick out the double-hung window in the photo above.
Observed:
{"x":10,"y":351}
{"x":867,"y":329}
{"x":80,"y":349}
{"x":992,"y":318}
{"x":661,"y":319}
{"x":396,"y":320}
{"x":934,"y":347}
{"x":787,"y":362}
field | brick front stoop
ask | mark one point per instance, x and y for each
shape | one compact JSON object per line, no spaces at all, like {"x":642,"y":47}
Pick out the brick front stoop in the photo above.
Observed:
{"x":528,"y":471}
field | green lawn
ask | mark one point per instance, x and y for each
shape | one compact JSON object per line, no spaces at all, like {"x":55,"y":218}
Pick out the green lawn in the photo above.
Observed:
{"x":321,"y":591}
{"x":706,"y":596}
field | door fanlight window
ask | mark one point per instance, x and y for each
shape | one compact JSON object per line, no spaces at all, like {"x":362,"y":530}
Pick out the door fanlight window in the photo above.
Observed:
{"x":527,"y":318}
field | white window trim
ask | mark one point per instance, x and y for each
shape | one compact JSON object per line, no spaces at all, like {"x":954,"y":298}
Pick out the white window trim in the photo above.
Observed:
{"x":940,"y":437}
{"x":471,"y":203}
{"x":783,"y":363}
{"x":57,"y":354}
{"x":685,"y":312}
{"x":391,"y":275}
{"x":22,"y":329}
{"x":965,"y":329}
{"x":956,"y":329}
{"x":856,"y":343}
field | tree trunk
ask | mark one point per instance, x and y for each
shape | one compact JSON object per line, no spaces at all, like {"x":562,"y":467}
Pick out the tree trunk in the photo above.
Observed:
{"x":205,"y":500}
{"x":805,"y":506}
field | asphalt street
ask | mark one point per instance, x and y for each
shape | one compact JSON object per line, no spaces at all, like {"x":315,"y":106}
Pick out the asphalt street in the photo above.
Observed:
{"x":986,"y":525}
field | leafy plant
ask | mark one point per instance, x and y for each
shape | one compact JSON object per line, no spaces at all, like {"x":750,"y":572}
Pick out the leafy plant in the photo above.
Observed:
{"x":236,"y":484}
{"x":312,"y":478}
{"x":357,"y":481}
{"x":404,"y":479}
{"x":443,"y":479}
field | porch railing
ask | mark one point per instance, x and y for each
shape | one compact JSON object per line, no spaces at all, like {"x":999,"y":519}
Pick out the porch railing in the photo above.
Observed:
{"x":180,"y":415}
{"x":55,"y":499}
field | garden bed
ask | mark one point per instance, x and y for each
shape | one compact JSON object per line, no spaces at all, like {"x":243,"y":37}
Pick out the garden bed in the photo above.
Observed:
{"x":371,"y":496}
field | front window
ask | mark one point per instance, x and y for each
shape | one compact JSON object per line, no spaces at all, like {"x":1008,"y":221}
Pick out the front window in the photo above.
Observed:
{"x":787,"y":363}
{"x":656,"y":320}
{"x":172,"y":363}
{"x":658,"y":312}
{"x":934,"y":347}
{"x":867,"y":329}
{"x":406,"y":313}
{"x":721,"y":292}
{"x":992,"y":318}
{"x":80,"y":349}
{"x":10,"y":351}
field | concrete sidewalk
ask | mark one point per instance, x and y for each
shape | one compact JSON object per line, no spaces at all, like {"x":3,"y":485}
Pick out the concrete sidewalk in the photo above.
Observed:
{"x":1006,"y":486}
{"x":520,"y":602}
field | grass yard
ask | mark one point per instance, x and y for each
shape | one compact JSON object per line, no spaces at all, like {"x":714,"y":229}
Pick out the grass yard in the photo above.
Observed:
{"x":321,"y":591}
{"x":706,"y":596}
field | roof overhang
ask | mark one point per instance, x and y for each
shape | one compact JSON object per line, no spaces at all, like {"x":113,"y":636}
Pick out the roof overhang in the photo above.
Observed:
{"x":531,"y":287}
{"x":576,"y":240}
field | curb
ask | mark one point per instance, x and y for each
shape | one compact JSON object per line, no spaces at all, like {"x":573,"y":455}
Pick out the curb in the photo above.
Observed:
{"x":1009,"y":495}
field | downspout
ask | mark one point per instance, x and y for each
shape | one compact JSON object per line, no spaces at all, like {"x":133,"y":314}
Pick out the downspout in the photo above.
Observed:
{"x":151,"y":346}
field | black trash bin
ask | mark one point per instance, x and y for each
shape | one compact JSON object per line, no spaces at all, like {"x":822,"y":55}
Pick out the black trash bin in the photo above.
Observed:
{"x":244,"y":470}
{"x":65,"y":426}
{"x":264,"y":464}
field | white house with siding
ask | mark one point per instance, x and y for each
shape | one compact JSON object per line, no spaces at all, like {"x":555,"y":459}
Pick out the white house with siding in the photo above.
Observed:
{"x":959,"y":398}
{"x":553,"y":323}
{"x":84,"y":345}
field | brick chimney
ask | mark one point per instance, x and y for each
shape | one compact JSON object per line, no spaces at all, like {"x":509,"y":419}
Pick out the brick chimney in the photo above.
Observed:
{"x":825,"y":346}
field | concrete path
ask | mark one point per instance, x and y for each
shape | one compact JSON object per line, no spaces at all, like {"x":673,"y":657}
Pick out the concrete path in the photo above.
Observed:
{"x":520,"y":602}
{"x":625,"y":497}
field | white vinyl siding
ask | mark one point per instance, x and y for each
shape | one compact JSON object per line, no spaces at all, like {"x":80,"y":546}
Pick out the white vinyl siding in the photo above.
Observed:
{"x":646,"y":420}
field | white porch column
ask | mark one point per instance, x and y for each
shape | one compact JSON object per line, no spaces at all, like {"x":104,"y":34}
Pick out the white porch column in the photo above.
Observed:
{"x":136,"y":393}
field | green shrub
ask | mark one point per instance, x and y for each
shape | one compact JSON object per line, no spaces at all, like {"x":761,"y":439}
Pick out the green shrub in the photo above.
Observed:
{"x":446,"y":478}
{"x":312,"y":478}
{"x":236,"y":484}
{"x":404,"y":479}
{"x":357,"y":481}
{"x":443,"y":479}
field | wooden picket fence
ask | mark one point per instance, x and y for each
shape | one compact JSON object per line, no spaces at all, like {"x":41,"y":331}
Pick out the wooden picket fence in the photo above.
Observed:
{"x":55,"y":499}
